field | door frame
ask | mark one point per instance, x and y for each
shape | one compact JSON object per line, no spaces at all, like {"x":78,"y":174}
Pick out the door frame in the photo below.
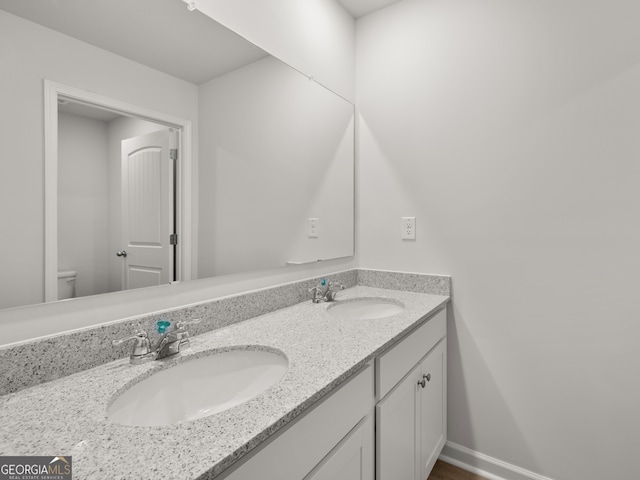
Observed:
{"x":54,"y":91}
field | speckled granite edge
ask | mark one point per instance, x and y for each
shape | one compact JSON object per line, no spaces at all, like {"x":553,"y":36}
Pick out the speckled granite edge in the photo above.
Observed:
{"x":69,"y":415}
{"x":45,"y":359}
{"x":408,"y":282}
{"x":39,"y":361}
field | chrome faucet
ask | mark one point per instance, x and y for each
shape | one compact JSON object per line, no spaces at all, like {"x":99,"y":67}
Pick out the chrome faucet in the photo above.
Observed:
{"x":172,"y":341}
{"x":324,"y":291}
{"x":141,"y":347}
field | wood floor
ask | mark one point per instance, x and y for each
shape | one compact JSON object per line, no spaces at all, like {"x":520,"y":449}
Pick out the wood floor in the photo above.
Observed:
{"x":446,"y":471}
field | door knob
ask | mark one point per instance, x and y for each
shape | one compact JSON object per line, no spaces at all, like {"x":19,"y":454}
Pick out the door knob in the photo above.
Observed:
{"x":425,"y":378}
{"x":121,"y":253}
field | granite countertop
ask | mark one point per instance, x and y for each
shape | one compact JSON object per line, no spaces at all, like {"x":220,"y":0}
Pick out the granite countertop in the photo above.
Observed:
{"x":68,"y":416}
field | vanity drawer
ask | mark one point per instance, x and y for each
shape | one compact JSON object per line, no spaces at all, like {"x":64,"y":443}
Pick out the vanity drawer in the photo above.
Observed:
{"x":395,"y":363}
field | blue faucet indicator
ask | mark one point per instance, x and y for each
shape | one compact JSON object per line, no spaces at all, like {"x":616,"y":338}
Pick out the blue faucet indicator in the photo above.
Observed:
{"x":163,"y":325}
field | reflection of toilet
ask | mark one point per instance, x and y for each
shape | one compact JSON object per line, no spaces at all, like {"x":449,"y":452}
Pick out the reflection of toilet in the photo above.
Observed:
{"x":66,"y":284}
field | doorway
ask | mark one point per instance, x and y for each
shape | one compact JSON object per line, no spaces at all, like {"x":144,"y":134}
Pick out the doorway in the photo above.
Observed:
{"x":72,"y":243}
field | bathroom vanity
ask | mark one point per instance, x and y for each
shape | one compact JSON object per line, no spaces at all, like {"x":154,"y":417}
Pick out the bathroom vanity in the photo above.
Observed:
{"x":403,"y":391}
{"x":345,"y":374}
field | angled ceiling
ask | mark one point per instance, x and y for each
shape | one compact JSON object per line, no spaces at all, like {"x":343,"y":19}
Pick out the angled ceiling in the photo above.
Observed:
{"x":162,"y":34}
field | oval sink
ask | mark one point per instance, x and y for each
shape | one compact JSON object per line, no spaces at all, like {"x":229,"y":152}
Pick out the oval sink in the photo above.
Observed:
{"x":365,"y":308}
{"x":198,"y":388}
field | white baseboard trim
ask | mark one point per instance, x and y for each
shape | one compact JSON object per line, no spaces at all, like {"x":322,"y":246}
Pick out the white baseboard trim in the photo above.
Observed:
{"x":484,"y":465}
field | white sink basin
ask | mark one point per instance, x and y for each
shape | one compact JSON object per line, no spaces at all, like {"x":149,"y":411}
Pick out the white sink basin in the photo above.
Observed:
{"x":365,"y":308}
{"x":198,"y":388}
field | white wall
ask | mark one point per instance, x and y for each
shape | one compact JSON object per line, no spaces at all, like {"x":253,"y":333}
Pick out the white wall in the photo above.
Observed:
{"x":315,"y":37}
{"x":275,"y":150}
{"x":510,"y":130}
{"x":83,"y":202}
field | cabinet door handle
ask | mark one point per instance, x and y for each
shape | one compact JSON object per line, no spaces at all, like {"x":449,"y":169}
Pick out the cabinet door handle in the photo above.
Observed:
{"x":422,"y":383}
{"x":427,"y":376}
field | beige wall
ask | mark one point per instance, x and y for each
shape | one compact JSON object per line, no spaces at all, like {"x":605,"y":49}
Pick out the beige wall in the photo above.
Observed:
{"x":510,"y":130}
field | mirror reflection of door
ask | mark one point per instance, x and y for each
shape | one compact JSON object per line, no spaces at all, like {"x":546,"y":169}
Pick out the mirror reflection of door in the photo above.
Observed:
{"x":148,"y":226}
{"x":90,"y":226}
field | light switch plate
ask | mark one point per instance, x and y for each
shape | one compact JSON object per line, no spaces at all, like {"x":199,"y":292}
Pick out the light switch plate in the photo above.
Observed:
{"x":312,"y":227}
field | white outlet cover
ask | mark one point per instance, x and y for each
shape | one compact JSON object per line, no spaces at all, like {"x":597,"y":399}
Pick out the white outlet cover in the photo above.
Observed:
{"x":408,"y":228}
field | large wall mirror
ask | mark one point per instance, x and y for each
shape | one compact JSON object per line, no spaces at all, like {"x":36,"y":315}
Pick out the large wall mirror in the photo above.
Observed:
{"x":264,"y":174}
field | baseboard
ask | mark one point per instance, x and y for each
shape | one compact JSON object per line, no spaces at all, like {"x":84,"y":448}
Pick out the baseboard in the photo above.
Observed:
{"x":484,"y":465}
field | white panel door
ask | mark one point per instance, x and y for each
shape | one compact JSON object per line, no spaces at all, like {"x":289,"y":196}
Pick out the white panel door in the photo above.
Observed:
{"x":148,"y":209}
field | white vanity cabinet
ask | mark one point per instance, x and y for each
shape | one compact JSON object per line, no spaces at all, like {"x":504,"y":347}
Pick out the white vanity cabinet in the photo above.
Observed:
{"x":352,"y":459}
{"x":411,"y":410}
{"x":337,"y":440}
{"x":332,"y":441}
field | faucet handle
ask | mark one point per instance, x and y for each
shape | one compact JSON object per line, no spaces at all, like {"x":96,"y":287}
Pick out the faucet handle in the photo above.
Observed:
{"x":138,"y":335}
{"x":183,"y":323}
{"x":141,"y":345}
{"x":317,"y":296}
{"x":332,"y":291}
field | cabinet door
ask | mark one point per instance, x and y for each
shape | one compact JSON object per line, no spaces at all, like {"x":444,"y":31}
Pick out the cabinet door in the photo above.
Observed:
{"x":302,"y":447}
{"x":432,"y":398}
{"x":352,"y":459}
{"x":397,"y":431}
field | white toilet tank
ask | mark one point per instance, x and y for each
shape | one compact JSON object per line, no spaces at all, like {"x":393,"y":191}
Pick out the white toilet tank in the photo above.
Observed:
{"x":66,"y":284}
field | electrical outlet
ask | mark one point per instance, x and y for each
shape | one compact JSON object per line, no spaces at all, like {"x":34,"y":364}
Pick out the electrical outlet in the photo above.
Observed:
{"x":312,"y":227}
{"x":408,"y":228}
